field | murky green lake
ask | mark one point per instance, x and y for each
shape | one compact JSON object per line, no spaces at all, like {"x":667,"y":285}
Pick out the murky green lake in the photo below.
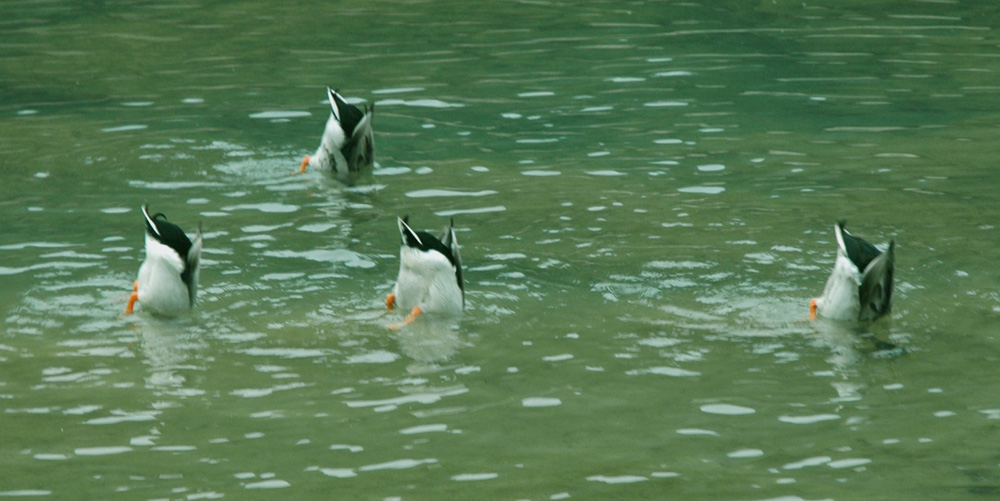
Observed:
{"x":644,"y":193}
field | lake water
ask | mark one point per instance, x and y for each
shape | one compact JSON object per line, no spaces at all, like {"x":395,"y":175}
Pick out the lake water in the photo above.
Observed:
{"x":644,"y":193}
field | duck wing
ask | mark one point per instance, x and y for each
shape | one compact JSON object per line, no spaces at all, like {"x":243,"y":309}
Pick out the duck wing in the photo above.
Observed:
{"x":875,"y":291}
{"x":193,"y":261}
{"x":859,"y":251}
{"x":359,"y":149}
{"x":451,"y":242}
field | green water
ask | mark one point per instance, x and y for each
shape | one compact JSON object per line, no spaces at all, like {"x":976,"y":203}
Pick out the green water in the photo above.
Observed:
{"x":644,"y":193}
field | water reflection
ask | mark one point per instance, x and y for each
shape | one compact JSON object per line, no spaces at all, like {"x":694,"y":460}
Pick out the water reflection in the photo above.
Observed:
{"x":430,"y":338}
{"x":171,"y":347}
{"x":849,"y":342}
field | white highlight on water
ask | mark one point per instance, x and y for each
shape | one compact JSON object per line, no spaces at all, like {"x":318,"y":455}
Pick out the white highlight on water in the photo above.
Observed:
{"x":448,"y":193}
{"x":399,"y":464}
{"x":727,"y":409}
{"x":808,"y":419}
{"x":474,"y":477}
{"x":711,"y":167}
{"x":540,"y":402}
{"x":426,"y":428}
{"x":745,"y":453}
{"x":124,"y":128}
{"x":620,"y":479}
{"x":664,"y":371}
{"x":101,"y":451}
{"x":702,"y":190}
{"x":813,"y":461}
{"x":849,"y":463}
{"x":697,"y":431}
{"x":280,"y":114}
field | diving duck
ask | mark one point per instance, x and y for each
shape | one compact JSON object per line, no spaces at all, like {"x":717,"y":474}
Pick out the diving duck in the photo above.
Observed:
{"x":348,"y":144}
{"x":430,"y":274}
{"x":860,"y":287}
{"x":168,"y":278}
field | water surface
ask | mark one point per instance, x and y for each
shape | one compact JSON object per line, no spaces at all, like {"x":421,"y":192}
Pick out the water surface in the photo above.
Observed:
{"x":644,"y":194}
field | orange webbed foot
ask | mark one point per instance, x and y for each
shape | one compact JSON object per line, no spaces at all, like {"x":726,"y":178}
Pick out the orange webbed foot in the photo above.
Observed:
{"x":305,"y":163}
{"x":414,"y":313}
{"x":812,"y":309}
{"x":133,"y":298}
{"x":390,"y":302}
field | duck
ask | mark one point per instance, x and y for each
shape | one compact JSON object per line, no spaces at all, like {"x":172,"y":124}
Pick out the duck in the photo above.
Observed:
{"x":347,"y":145}
{"x":430,"y":274}
{"x":168,"y":277}
{"x":860,"y":287}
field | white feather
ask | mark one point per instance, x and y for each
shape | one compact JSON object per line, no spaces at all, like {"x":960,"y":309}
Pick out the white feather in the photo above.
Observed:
{"x":427,"y":279}
{"x":840,"y":296}
{"x":160,"y":286}
{"x":328,"y":155}
{"x":330,"y":93}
